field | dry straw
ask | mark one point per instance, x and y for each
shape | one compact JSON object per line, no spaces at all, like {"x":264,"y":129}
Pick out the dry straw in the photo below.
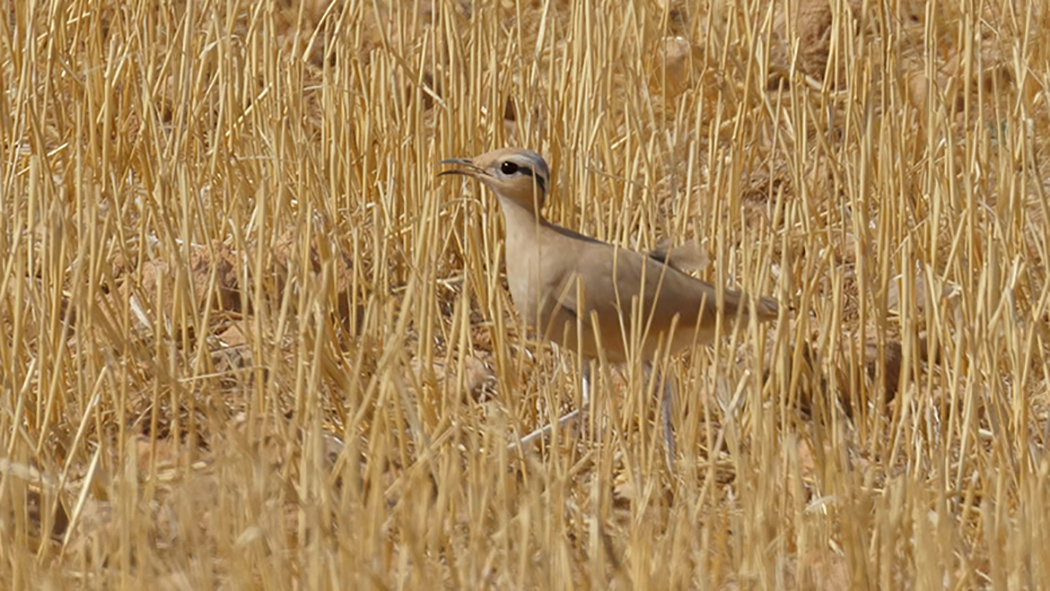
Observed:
{"x":249,"y":342}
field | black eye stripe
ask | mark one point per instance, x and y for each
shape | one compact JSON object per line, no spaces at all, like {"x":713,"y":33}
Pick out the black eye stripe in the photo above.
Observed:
{"x":528,"y":172}
{"x":509,"y":167}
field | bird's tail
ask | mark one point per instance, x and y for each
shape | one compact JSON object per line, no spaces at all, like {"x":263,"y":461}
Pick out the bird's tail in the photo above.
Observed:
{"x":766,"y":308}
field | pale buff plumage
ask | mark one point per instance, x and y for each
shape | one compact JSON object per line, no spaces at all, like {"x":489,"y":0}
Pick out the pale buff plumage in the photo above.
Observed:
{"x":562,"y":281}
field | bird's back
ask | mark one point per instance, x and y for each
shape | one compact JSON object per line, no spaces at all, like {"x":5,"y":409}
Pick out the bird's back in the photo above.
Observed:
{"x":633,"y":297}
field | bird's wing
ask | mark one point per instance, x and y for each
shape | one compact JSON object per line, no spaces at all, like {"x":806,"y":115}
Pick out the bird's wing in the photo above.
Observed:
{"x":612,"y":284}
{"x":689,"y":257}
{"x":625,"y":291}
{"x":612,"y":278}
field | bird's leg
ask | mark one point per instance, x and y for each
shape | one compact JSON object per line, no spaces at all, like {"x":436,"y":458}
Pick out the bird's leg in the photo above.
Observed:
{"x":666,"y":406}
{"x":585,"y":393}
{"x":666,"y":402}
{"x":580,"y":413}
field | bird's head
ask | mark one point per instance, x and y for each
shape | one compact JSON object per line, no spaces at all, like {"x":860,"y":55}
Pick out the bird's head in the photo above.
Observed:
{"x":516,"y":174}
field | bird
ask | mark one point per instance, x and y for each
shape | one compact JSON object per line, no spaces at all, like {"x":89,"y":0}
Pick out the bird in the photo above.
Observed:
{"x":585,"y":294}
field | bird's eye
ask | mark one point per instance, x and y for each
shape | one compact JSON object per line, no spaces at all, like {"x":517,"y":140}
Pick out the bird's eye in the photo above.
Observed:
{"x":509,"y":167}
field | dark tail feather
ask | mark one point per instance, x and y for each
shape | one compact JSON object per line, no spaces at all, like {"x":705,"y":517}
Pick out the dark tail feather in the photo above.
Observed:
{"x":766,"y":308}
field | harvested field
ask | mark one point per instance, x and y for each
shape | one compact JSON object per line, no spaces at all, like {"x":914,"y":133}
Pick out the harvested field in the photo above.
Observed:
{"x":248,"y":339}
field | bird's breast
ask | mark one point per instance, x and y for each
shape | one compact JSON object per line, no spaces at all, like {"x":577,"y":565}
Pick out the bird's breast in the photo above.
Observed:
{"x":536,"y":283}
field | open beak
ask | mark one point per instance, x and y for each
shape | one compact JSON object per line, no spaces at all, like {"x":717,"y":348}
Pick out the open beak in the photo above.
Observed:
{"x":466,"y":165}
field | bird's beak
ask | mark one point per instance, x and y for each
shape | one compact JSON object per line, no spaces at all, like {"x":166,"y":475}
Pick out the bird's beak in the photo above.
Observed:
{"x":467,"y":167}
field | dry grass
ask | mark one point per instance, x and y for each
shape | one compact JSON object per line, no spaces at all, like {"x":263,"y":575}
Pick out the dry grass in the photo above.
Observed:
{"x":248,"y":341}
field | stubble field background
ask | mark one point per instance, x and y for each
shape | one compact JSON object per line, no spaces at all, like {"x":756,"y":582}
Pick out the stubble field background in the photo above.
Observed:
{"x":248,"y":339}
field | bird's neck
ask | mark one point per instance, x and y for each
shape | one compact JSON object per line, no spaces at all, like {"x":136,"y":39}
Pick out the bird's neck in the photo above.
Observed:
{"x":522,"y":222}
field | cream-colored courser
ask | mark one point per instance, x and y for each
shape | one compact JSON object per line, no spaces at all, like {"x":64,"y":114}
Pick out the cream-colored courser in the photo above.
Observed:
{"x":565,"y":284}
